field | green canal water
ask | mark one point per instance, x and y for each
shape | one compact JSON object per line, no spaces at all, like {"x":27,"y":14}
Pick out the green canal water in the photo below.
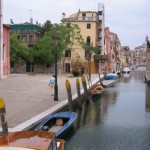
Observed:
{"x":118,"y":120}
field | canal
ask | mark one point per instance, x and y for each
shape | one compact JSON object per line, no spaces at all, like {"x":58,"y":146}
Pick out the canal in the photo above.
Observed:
{"x":118,"y":120}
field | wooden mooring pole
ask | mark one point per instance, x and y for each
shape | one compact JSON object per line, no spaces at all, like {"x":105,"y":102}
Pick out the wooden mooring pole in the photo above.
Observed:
{"x":79,"y":93}
{"x":87,"y":95}
{"x":69,"y":94}
{"x":2,"y":115}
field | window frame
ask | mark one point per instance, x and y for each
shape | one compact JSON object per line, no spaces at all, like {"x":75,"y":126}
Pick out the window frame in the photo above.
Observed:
{"x":88,"y":26}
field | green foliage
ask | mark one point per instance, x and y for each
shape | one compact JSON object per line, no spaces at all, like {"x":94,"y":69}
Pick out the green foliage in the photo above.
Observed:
{"x":44,"y":50}
{"x":19,"y":52}
{"x":92,"y":51}
{"x":46,"y":27}
{"x":91,"y":48}
{"x":75,"y":36}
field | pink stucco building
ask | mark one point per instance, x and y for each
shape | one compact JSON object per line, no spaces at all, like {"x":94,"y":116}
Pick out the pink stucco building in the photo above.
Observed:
{"x":112,"y":46}
{"x":5,"y":53}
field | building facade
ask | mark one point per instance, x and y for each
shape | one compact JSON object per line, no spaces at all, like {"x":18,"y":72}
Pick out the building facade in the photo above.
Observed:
{"x":94,"y":33}
{"x":6,"y":50}
{"x":113,"y":50}
{"x":90,"y":24}
{"x":28,"y":33}
{"x":137,"y":57}
{"x":5,"y":53}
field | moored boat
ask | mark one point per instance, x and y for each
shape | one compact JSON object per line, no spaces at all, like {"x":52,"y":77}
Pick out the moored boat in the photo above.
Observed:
{"x":98,"y":90}
{"x":111,"y":76}
{"x":108,"y":83}
{"x":31,"y":140}
{"x":57,"y":123}
{"x":126,"y":70}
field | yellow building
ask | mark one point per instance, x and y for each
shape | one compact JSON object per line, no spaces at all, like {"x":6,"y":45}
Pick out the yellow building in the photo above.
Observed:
{"x":89,"y":23}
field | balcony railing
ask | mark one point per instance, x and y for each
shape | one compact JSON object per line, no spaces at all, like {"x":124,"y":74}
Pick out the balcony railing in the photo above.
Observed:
{"x":87,"y":19}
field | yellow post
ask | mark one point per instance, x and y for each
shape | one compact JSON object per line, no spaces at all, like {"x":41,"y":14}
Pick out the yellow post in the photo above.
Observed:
{"x":87,"y":95}
{"x":69,"y":94}
{"x":2,"y":115}
{"x":79,"y":93}
{"x":83,"y":78}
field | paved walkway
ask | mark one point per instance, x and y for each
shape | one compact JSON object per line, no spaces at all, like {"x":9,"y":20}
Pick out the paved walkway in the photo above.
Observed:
{"x":27,"y":95}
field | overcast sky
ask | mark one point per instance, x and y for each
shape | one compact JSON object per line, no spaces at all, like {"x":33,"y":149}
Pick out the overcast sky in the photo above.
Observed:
{"x":129,"y":19}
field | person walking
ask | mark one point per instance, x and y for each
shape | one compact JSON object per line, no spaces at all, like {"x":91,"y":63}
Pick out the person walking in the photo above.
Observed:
{"x":52,"y":84}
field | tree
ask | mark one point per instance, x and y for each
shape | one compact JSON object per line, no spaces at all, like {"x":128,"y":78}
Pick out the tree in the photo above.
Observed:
{"x":44,"y":50}
{"x":46,"y":27}
{"x":90,"y":52}
{"x":19,"y":52}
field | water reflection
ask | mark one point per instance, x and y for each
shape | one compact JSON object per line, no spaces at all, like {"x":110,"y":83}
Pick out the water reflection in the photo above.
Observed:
{"x":119,"y":120}
{"x":125,"y":78}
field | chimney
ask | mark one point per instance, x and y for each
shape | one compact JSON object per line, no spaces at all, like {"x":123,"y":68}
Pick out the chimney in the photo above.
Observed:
{"x":31,"y":20}
{"x":63,"y":15}
{"x":11,"y":21}
{"x":37,"y":22}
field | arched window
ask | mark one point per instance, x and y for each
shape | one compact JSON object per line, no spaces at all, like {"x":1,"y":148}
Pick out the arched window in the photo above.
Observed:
{"x":88,"y":41}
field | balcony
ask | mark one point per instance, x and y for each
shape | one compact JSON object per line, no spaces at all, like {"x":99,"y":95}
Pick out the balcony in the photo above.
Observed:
{"x":102,"y":57}
{"x":87,"y":19}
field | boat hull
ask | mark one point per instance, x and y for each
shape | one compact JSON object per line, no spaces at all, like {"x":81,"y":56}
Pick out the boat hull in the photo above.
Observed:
{"x":29,"y":140}
{"x":67,"y":117}
{"x":111,"y":76}
{"x":97,"y":91}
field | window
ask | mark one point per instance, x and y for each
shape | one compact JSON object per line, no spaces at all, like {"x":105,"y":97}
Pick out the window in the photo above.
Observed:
{"x":88,"y":41}
{"x":83,"y":16}
{"x":113,"y":56}
{"x":68,"y":53}
{"x":31,"y":38}
{"x":24,"y":38}
{"x":68,"y":25}
{"x":88,"y":26}
{"x":87,"y":55}
{"x":18,"y":37}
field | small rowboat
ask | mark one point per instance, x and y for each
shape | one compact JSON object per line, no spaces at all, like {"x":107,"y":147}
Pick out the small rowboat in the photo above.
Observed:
{"x":98,"y":90}
{"x":31,"y":140}
{"x":57,"y":123}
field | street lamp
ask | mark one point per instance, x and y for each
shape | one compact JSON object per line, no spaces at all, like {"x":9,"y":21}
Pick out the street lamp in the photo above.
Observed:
{"x":56,"y":86}
{"x":88,"y":57}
